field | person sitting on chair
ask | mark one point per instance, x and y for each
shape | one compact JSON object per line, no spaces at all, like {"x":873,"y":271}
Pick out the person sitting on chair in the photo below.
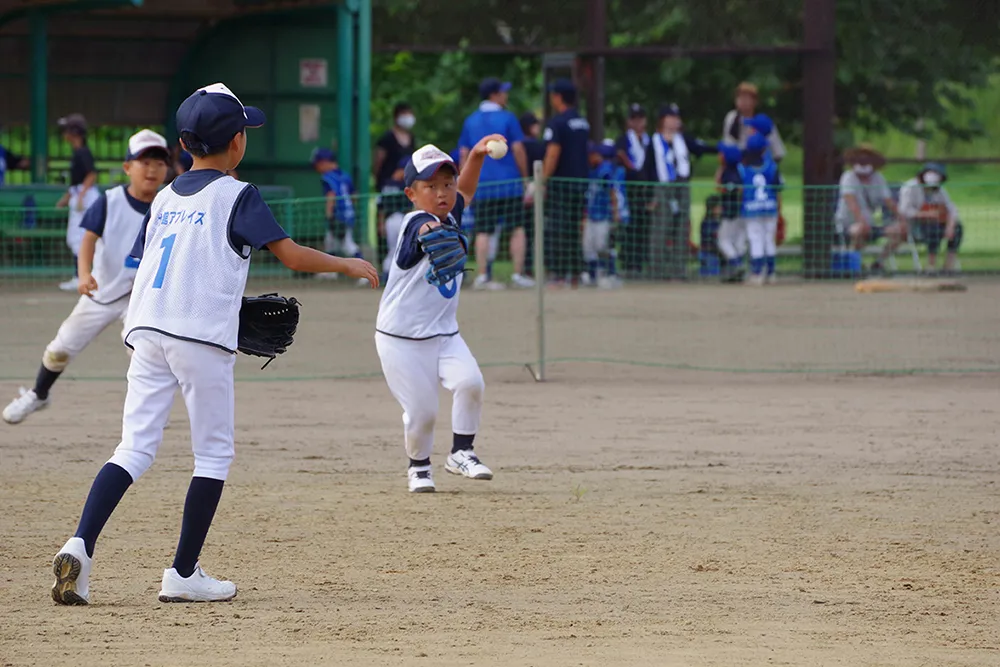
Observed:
{"x":863,"y":191}
{"x":926,"y":204}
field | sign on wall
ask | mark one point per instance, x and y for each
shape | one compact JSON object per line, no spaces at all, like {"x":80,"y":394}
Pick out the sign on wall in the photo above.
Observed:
{"x":313,"y":73}
{"x":309,"y":123}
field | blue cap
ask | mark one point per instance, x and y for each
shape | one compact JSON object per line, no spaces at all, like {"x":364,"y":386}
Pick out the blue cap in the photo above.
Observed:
{"x":322,"y":154}
{"x":492,"y":85}
{"x":425,"y":162}
{"x":757,"y":143}
{"x":562,"y":86}
{"x":761,"y":122}
{"x":731,"y":154}
{"x":604,"y":149}
{"x":215,"y":115}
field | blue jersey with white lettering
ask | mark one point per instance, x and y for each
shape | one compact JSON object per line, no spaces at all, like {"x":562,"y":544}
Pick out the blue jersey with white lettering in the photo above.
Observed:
{"x":599,"y":192}
{"x":760,"y":189}
{"x":341,"y":185}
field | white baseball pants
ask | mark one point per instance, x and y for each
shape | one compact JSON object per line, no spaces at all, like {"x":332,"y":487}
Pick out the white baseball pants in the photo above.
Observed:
{"x":83,"y":325}
{"x":596,"y":240}
{"x":762,"y":233}
{"x":74,"y":232}
{"x":414,"y":369}
{"x":733,"y":238}
{"x":392,"y":224}
{"x":160,"y":364}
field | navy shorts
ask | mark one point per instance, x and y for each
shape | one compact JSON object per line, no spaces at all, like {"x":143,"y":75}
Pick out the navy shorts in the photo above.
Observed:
{"x":932,"y":233}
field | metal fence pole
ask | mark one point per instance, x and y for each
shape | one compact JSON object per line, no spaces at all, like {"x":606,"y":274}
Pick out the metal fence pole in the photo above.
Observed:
{"x":539,"y":185}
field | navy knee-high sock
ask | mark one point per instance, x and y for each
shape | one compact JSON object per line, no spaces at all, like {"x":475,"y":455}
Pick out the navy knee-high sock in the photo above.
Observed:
{"x":199,"y":509}
{"x":44,"y":381}
{"x":106,"y":492}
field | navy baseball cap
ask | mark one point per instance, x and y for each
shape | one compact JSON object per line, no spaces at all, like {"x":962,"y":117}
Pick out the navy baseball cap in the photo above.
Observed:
{"x":756,"y":143}
{"x":492,"y":85}
{"x":562,"y":86}
{"x":761,"y":122}
{"x":215,"y":115}
{"x":636,"y":111}
{"x":320,"y":154}
{"x":670,"y":110}
{"x":425,"y":162}
{"x":145,"y":141}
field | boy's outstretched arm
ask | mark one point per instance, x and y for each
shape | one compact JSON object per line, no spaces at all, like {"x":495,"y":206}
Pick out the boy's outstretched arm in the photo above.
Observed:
{"x":468,"y":180}
{"x":85,"y":264}
{"x":309,"y":260}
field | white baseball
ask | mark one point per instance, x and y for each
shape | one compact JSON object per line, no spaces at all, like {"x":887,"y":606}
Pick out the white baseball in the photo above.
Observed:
{"x":496,"y":149}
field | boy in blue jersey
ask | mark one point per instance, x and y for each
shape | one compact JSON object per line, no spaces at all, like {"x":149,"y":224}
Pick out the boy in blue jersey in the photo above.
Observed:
{"x":732,"y":227}
{"x":338,"y":189}
{"x":603,"y":209}
{"x":759,"y":208}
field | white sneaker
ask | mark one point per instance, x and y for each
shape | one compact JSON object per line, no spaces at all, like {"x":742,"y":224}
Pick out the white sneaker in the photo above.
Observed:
{"x":362,"y":282}
{"x":772,"y":279}
{"x":466,"y":463}
{"x":484,"y":283}
{"x":199,"y":587}
{"x":421,"y":479}
{"x":70,"y":285}
{"x":586,"y":280}
{"x":608,"y":282}
{"x":72,"y":569}
{"x":755,"y":280}
{"x":327,"y":276}
{"x":23,"y":405}
{"x":521,"y":282}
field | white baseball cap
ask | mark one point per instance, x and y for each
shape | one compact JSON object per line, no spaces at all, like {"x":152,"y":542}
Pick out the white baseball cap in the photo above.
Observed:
{"x":145,"y":140}
{"x":425,"y":162}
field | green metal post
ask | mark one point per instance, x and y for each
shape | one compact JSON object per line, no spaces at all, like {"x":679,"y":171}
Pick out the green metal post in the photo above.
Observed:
{"x":363,"y":143}
{"x":345,"y":87}
{"x":364,"y":94}
{"x":39,"y":96}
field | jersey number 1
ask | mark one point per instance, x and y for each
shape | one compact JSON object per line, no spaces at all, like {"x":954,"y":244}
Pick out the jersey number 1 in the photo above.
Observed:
{"x":168,"y":246}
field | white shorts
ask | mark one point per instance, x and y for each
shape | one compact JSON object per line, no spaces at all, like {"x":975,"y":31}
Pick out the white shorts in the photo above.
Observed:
{"x":596,"y":239}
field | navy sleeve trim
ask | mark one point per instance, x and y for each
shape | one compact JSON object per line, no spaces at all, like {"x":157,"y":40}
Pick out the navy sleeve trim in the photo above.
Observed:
{"x":96,"y":216}
{"x":237,"y":247}
{"x":140,"y":240}
{"x":410,"y":253}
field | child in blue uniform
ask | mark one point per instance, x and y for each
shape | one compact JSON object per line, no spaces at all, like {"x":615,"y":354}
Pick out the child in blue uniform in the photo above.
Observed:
{"x":759,"y":208}
{"x":604,"y":208}
{"x":340,"y":211}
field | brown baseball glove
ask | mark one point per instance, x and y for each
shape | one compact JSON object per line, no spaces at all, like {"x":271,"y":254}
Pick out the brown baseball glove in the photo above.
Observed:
{"x":940,"y":211}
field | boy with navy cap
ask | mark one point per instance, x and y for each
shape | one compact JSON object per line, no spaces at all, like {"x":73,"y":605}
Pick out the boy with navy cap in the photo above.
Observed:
{"x":417,"y":335}
{"x":194,"y":250}
{"x":338,"y":189}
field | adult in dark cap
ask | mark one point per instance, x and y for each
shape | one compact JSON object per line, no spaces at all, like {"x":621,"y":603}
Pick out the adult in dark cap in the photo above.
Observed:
{"x":566,"y":161}
{"x":632,"y":146}
{"x":926,"y":205}
{"x":669,"y":163}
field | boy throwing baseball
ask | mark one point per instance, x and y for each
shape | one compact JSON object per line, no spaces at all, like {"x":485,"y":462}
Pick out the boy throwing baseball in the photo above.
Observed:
{"x":105,"y":270}
{"x":183,"y":323}
{"x":417,"y":334}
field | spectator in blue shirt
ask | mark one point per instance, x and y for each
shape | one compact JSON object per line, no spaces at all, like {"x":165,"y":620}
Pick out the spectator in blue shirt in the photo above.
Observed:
{"x":567,"y":137}
{"x":338,"y":189}
{"x":500,"y":197}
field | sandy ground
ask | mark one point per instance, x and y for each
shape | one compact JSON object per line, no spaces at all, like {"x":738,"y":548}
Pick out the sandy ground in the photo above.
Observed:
{"x":639,"y":516}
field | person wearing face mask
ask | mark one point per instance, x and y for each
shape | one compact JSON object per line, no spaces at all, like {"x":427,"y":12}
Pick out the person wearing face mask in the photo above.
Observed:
{"x":925,"y":203}
{"x":863,"y":192}
{"x":394,"y":145}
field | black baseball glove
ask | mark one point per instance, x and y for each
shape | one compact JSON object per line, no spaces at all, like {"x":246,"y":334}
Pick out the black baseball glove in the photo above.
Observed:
{"x":447,"y":248}
{"x":267,"y":325}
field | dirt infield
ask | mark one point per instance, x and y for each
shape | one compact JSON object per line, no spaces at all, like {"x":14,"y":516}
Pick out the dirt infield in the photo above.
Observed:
{"x":639,"y":516}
